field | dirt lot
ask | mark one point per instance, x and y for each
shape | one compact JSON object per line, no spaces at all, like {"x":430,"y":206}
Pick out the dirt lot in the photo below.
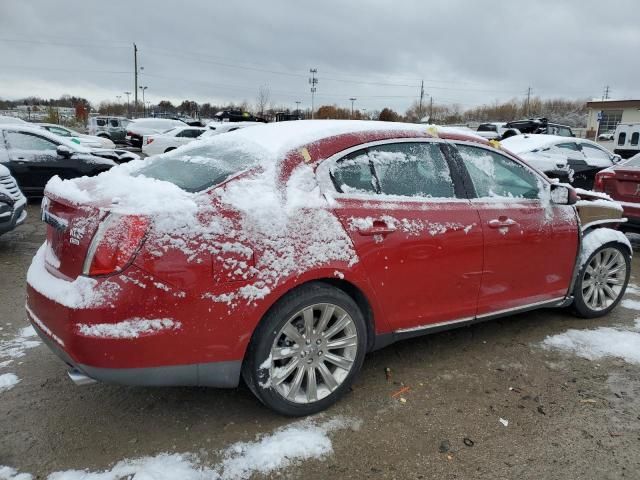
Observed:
{"x":568,"y":417}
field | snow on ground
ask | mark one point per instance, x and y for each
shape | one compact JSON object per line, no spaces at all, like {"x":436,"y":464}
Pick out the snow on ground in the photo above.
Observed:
{"x":595,"y":344}
{"x":631,"y":304}
{"x":15,"y":347}
{"x":285,"y":447}
{"x":8,"y":381}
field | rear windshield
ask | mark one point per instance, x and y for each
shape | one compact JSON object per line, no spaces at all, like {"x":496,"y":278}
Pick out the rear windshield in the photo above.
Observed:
{"x":487,"y":127}
{"x":203,"y":166}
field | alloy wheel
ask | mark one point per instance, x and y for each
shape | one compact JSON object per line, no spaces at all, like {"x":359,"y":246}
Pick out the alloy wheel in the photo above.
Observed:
{"x":603,"y":279}
{"x":313,"y":353}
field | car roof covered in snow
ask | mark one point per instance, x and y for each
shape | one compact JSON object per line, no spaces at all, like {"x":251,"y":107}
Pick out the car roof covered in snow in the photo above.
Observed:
{"x":36,"y":129}
{"x":530,"y":141}
{"x":281,"y":137}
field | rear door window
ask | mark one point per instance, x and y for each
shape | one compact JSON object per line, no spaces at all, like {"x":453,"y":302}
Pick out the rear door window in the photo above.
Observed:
{"x":634,"y":139}
{"x":495,"y":175}
{"x":101,"y":122}
{"x":622,"y":138}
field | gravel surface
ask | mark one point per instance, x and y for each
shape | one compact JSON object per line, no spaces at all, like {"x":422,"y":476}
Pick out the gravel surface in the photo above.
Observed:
{"x":568,"y":417}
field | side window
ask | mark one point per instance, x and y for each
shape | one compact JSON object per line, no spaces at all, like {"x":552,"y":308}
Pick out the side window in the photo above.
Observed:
{"x":634,"y":139}
{"x":30,"y":142}
{"x":353,"y":174}
{"x":183,"y":133}
{"x":622,"y":138}
{"x":594,"y":152}
{"x":114,"y":122}
{"x":59,"y":131}
{"x":494,"y":175}
{"x":568,"y":146}
{"x":101,"y":122}
{"x":412,"y":170}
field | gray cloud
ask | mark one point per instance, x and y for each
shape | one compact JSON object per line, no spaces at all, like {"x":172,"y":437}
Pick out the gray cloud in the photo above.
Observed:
{"x":467,"y":52}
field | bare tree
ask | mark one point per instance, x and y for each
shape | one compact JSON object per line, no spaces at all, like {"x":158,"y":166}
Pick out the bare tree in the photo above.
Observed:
{"x":264,"y":95}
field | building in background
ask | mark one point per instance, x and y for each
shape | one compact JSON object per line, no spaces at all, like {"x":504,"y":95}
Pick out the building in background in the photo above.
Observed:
{"x":612,"y":112}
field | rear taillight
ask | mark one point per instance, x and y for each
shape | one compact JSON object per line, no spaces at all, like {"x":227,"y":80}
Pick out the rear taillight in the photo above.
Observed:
{"x":601,"y":176}
{"x":115,"y":243}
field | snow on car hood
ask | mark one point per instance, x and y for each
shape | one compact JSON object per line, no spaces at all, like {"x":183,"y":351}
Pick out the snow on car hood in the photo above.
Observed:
{"x":527,"y":143}
{"x":4,"y":171}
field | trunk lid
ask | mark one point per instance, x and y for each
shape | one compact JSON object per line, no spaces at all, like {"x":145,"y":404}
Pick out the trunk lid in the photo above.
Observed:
{"x":624,"y":186}
{"x":70,"y":229}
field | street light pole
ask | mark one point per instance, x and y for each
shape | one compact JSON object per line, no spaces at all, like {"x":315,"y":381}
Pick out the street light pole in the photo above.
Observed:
{"x":144,"y":107}
{"x":313,"y":81}
{"x":298,"y":102}
{"x":353,"y":99}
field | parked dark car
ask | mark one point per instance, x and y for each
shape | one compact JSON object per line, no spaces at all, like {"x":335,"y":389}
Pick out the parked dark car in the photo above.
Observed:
{"x":237,"y":116}
{"x":34,"y":155}
{"x":541,"y":125}
{"x":12,"y":202}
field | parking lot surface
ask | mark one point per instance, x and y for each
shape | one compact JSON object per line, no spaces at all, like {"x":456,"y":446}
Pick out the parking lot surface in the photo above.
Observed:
{"x":485,"y":401}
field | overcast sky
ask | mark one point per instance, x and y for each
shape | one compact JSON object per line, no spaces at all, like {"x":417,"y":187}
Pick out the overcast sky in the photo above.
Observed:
{"x":468,"y":52}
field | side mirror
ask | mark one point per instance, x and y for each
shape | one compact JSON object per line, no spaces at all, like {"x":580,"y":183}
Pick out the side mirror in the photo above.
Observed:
{"x":64,"y":151}
{"x":563,"y":195}
{"x":615,"y":158}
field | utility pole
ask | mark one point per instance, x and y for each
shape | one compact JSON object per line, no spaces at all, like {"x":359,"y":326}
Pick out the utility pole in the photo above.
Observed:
{"x":353,"y":99}
{"x":605,"y":95}
{"x":421,"y":97}
{"x":128,"y":109}
{"x":529,"y":102}
{"x":298,"y":102}
{"x":135,"y":69}
{"x":313,"y":81}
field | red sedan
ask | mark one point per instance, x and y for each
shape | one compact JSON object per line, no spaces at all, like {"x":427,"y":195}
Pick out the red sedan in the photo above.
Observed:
{"x":283,"y":253}
{"x":622,"y":183}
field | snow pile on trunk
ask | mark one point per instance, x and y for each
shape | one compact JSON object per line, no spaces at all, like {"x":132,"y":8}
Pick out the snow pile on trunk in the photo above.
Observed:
{"x":132,"y":328}
{"x":599,"y":343}
{"x":284,"y":448}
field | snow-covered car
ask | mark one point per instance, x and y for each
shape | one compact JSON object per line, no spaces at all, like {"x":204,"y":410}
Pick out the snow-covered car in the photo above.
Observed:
{"x":6,"y":120}
{"x":138,"y":128}
{"x":170,"y":140}
{"x":113,"y":128}
{"x":91,"y":141}
{"x":607,"y":135}
{"x":553,"y":154}
{"x":33,"y":155}
{"x":284,"y":254}
{"x":216,"y":128}
{"x":12,"y":202}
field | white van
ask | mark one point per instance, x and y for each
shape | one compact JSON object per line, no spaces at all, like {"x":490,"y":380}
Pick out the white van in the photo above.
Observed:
{"x":627,"y":139}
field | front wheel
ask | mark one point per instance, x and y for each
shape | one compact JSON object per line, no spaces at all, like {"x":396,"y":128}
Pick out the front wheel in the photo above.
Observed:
{"x":306,"y":351}
{"x":602,"y":281}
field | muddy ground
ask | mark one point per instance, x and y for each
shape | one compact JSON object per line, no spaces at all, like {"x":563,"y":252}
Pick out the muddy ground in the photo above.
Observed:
{"x":569,"y":418}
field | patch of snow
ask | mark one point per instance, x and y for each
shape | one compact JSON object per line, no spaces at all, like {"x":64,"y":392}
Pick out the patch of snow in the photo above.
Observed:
{"x":339,"y":274}
{"x":599,"y":343}
{"x":600,"y":203}
{"x":15,"y":347}
{"x":8,"y":381}
{"x":8,"y":473}
{"x":631,"y":304}
{"x":504,"y":422}
{"x":591,"y":193}
{"x":132,"y":328}
{"x":284,"y":448}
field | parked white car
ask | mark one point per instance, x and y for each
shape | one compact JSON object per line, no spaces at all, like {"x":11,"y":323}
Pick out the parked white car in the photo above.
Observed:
{"x":170,"y":140}
{"x":495,"y":130}
{"x":550,"y":153}
{"x":91,"y":141}
{"x":138,"y":128}
{"x":216,"y":128}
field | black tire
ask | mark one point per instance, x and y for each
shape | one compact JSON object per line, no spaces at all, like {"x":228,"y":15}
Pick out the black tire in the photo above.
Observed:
{"x":256,"y":376}
{"x":581,"y":307}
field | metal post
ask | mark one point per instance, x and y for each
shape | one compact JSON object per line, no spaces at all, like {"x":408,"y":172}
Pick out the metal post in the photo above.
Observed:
{"x":313,"y":81}
{"x":135,"y":70}
{"x":353,"y":99}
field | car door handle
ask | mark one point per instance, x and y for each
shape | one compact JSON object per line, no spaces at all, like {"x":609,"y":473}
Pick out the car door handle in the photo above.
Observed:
{"x":379,"y":227}
{"x":502,"y":222}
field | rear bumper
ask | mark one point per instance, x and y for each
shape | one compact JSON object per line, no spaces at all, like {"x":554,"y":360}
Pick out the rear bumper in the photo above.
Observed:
{"x":212,"y":374}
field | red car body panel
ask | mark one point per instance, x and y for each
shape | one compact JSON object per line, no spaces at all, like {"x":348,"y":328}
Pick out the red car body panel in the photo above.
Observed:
{"x":622,"y":183}
{"x":410,"y":277}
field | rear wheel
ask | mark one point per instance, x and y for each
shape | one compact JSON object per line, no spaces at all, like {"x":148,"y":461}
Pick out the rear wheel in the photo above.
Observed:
{"x":602,"y":281}
{"x":307,"y":350}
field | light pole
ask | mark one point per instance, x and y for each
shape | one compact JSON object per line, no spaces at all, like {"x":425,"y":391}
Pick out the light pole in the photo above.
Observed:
{"x":353,"y":99}
{"x":313,"y":81}
{"x":298,"y":102}
{"x":128,"y":111}
{"x":144,"y":111}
